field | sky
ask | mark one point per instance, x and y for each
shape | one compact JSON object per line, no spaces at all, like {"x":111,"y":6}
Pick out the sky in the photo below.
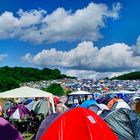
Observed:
{"x":83,"y":38}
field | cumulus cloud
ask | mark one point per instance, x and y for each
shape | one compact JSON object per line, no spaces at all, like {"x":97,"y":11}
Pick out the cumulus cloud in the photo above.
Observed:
{"x":89,"y":74}
{"x":136,"y":48}
{"x":2,"y":57}
{"x":86,"y":56}
{"x":37,"y":26}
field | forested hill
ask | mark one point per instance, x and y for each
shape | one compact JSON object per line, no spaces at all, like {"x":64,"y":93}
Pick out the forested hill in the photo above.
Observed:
{"x":11,"y":77}
{"x":129,"y":76}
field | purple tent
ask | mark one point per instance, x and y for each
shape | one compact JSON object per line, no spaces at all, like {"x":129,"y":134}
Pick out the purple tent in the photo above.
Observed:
{"x":19,"y":111}
{"x":45,"y":124}
{"x":8,"y":131}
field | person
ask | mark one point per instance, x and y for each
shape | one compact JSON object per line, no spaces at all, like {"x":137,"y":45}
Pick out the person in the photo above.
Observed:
{"x":61,"y":107}
{"x":76,"y":103}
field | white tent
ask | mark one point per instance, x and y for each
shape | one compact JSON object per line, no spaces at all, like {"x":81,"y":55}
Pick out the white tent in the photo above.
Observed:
{"x":16,"y":115}
{"x":80,"y":93}
{"x":124,"y":92}
{"x":27,"y":92}
{"x":120,"y":92}
{"x":120,"y":104}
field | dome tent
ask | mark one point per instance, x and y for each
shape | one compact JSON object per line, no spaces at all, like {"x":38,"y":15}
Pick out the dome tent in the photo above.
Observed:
{"x":78,"y":123}
{"x":125,"y":123}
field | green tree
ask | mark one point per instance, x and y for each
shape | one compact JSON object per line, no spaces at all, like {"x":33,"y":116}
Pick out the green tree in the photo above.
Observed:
{"x":55,"y":89}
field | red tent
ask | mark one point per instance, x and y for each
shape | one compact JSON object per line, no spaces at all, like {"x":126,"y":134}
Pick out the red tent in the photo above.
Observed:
{"x":79,"y":124}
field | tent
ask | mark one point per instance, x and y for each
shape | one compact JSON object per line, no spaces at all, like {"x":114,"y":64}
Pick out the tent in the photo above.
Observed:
{"x":88,"y":103}
{"x":94,"y":106}
{"x":8,"y":131}
{"x":20,"y":112}
{"x":112,"y":102}
{"x":30,"y":105}
{"x":24,"y":92}
{"x":125,"y":123}
{"x":41,"y":106}
{"x":27,"y":92}
{"x":80,"y":92}
{"x":120,"y":104}
{"x":78,"y":124}
{"x":45,"y":124}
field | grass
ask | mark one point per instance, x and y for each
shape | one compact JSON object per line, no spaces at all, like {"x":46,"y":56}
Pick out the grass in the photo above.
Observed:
{"x":27,"y":136}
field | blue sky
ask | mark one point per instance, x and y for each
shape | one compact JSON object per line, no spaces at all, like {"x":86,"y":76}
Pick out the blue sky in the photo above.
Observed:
{"x":79,"y":37}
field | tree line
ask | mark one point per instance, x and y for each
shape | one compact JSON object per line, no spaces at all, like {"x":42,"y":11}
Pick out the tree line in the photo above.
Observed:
{"x":129,"y":76}
{"x":11,"y":77}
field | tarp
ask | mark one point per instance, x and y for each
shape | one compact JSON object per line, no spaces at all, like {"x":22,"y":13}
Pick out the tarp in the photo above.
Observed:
{"x":125,"y":123}
{"x":8,"y":131}
{"x":78,"y":124}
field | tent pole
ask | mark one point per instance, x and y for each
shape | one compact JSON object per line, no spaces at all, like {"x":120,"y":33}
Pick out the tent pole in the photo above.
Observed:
{"x":53,"y":107}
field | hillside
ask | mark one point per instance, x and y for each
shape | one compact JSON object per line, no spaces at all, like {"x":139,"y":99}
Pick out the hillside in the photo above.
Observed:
{"x":11,"y":77}
{"x":129,"y":76}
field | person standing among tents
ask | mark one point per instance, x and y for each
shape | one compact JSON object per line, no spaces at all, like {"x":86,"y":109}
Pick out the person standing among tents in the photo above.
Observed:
{"x":61,"y":107}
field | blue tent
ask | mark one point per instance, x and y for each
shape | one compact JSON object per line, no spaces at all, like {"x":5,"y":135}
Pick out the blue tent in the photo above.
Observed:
{"x":88,"y":103}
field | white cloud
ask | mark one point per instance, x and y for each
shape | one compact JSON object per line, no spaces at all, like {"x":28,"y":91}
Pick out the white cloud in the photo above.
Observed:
{"x":2,"y":57}
{"x":84,"y":74}
{"x":37,"y":26}
{"x":86,"y":56}
{"x":89,"y":74}
{"x":136,"y":48}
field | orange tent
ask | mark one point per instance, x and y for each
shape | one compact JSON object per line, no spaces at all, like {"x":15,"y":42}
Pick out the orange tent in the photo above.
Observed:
{"x":112,"y":102}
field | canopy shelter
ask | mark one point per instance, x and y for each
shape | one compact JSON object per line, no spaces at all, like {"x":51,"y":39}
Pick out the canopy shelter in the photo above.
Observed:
{"x":27,"y":92}
{"x":80,"y":92}
{"x":80,"y":95}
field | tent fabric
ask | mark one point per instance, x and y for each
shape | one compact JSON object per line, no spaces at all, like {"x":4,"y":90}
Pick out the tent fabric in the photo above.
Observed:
{"x":24,"y":92}
{"x":20,"y":112}
{"x":78,"y":124}
{"x":125,"y":123}
{"x":80,"y":93}
{"x":8,"y":131}
{"x":103,"y":106}
{"x":120,"y":104}
{"x":112,"y":102}
{"x":88,"y":103}
{"x":41,"y":106}
{"x":30,"y":105}
{"x":27,"y":92}
{"x":45,"y":124}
